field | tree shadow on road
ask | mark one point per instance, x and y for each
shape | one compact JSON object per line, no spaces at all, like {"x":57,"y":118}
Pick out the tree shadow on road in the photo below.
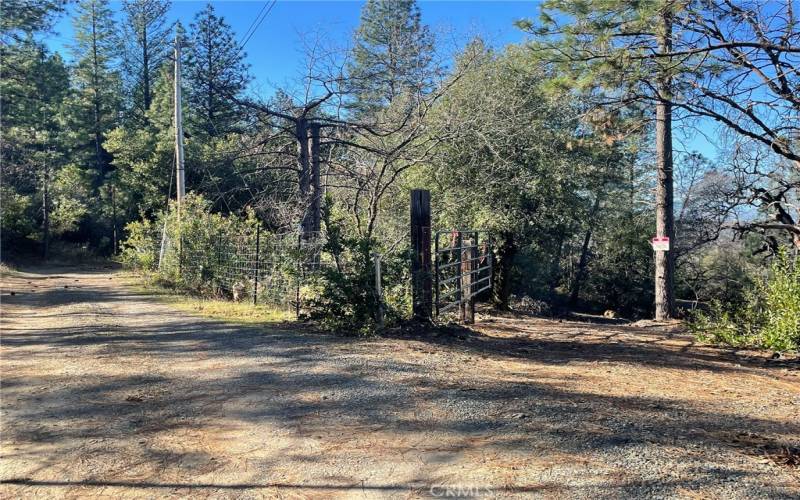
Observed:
{"x":342,"y":390}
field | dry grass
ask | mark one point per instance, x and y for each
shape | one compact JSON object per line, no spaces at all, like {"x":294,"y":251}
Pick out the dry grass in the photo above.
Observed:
{"x":234,"y":312}
{"x":244,"y":313}
{"x":5,"y":270}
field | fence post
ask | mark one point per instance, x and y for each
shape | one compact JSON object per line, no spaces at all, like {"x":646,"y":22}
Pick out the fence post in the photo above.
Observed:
{"x":163,"y":248}
{"x":436,"y":274}
{"x":180,"y":255}
{"x":255,"y":278}
{"x":472,"y":256}
{"x":299,"y":271}
{"x":378,"y":289}
{"x":218,"y":270}
{"x":489,"y":260}
{"x":460,"y":271}
{"x":421,"y":253}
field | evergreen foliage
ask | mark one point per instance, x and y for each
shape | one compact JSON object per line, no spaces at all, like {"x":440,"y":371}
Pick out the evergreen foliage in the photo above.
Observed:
{"x":146,"y":43}
{"x":215,"y":71}
{"x":392,"y":56}
{"x":769,"y":316}
{"x":96,"y":81}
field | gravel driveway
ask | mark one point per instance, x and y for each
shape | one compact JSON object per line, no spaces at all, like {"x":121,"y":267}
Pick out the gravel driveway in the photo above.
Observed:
{"x":107,"y":392}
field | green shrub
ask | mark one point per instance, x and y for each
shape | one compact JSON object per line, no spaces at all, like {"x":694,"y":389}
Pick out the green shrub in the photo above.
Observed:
{"x":336,"y":285}
{"x":781,"y":305}
{"x":199,"y":232}
{"x":343,"y":297}
{"x":14,"y":214}
{"x":140,"y":250}
{"x":769,"y":316}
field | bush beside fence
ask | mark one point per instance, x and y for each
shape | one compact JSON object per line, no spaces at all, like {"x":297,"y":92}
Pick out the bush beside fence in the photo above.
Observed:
{"x":227,"y":257}
{"x":326,"y":276}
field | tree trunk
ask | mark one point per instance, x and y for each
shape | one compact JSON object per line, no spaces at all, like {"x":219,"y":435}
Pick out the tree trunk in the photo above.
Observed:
{"x":98,"y":137}
{"x":583,"y":261}
{"x":304,"y":173}
{"x":145,"y":69}
{"x":211,"y":129}
{"x":504,"y":263}
{"x":665,"y":260}
{"x":114,"y":245}
{"x":316,"y":190}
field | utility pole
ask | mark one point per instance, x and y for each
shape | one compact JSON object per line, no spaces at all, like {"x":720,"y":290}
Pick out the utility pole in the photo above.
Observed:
{"x":179,"y":121}
{"x":46,"y":206}
{"x":114,"y":218}
{"x":181,"y":183}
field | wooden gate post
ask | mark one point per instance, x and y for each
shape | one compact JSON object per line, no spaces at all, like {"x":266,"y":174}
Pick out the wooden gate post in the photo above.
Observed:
{"x":470,"y":256}
{"x":460,"y":281}
{"x":421,"y":253}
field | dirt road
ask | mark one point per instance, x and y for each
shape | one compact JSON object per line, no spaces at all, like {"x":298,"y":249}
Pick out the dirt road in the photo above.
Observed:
{"x":107,"y":392}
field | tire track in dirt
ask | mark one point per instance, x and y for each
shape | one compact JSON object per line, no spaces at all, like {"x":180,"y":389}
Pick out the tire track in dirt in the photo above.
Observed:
{"x":105,"y":391}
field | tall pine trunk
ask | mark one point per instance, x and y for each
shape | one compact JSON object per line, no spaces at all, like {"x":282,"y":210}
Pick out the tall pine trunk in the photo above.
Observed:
{"x":665,"y":224}
{"x":98,"y":138}
{"x":145,"y":69}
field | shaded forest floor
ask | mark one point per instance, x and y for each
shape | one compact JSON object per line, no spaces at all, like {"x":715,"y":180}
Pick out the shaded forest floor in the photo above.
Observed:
{"x":107,"y":391}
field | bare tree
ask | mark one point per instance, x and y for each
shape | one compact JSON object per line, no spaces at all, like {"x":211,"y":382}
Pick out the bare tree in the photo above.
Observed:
{"x":314,"y":133}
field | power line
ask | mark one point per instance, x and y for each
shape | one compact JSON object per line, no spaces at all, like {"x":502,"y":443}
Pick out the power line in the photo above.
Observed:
{"x":257,"y":23}
{"x":247,"y":33}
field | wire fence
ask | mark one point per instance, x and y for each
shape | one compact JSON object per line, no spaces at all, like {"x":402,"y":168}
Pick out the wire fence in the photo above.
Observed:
{"x":257,"y":266}
{"x":241,"y":262}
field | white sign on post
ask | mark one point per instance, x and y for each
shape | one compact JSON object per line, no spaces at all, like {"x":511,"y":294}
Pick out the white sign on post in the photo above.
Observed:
{"x":660,"y":244}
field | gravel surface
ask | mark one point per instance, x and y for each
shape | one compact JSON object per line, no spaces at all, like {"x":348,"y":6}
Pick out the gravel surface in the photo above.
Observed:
{"x":107,"y":392}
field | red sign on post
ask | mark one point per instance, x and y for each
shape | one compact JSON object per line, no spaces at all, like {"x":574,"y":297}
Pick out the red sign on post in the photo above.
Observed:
{"x":660,"y":244}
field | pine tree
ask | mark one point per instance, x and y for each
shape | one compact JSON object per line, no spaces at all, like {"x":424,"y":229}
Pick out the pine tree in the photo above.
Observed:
{"x":144,"y":155}
{"x":392,"y":54}
{"x":33,"y":147}
{"x":730,"y":61}
{"x":97,"y":83}
{"x":21,"y":18}
{"x":147,"y":45}
{"x":620,"y":51}
{"x":214,"y":71}
{"x":34,"y":86}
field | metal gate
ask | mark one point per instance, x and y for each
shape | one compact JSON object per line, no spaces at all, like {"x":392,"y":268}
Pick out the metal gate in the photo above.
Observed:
{"x":462,"y":271}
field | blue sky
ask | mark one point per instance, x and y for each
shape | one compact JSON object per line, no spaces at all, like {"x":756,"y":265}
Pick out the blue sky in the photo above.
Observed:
{"x":275,"y":51}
